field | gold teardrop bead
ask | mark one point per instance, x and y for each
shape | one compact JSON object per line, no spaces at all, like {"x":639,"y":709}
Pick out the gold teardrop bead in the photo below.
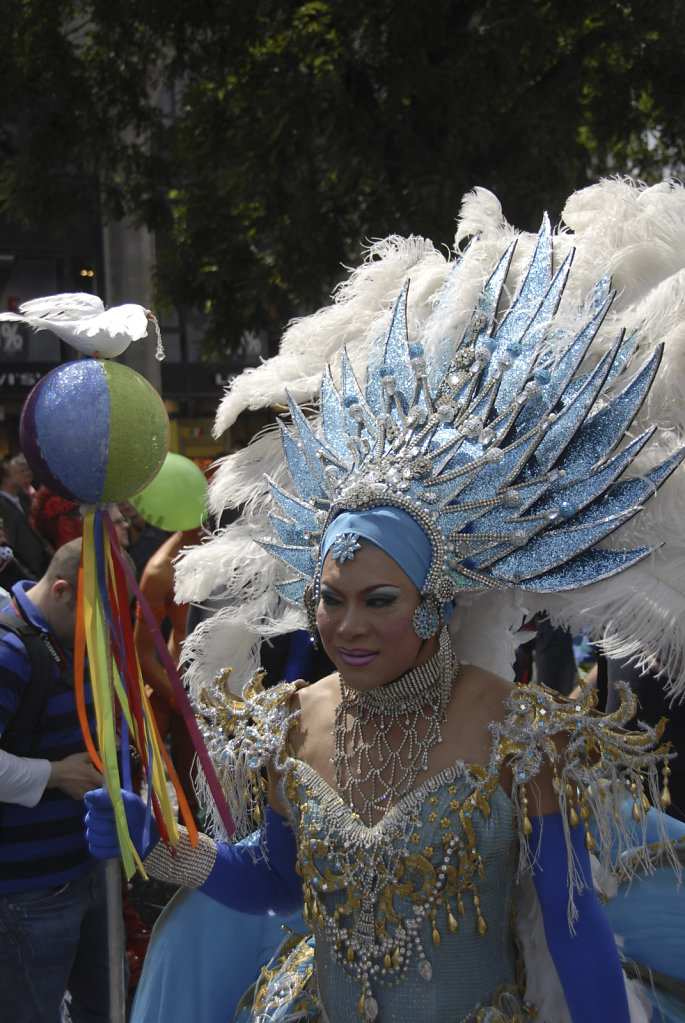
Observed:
{"x":436,"y":936}
{"x":388,"y":961}
{"x":573,"y":817}
{"x":350,"y":955}
{"x":452,"y":922}
{"x":589,"y":842}
{"x":637,"y":812}
{"x":526,"y":826}
{"x":482,"y":926}
{"x":584,"y":812}
{"x":665,"y":797}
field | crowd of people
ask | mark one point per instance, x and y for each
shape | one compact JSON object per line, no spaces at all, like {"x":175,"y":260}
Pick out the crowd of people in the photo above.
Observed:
{"x":427,"y":826}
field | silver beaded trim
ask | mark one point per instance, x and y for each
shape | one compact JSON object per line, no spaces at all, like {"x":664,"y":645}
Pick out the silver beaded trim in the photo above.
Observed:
{"x":182,"y":865}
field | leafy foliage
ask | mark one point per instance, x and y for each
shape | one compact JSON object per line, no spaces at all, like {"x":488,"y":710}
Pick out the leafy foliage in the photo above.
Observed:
{"x":266,"y":142}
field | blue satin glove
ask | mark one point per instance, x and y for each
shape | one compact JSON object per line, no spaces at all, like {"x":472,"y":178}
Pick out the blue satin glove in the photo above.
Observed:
{"x":586,"y":961}
{"x":101,"y":832}
{"x":244,"y":878}
{"x":258,"y":882}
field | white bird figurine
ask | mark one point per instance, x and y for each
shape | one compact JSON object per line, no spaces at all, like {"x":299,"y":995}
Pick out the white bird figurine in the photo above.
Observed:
{"x":83,"y":322}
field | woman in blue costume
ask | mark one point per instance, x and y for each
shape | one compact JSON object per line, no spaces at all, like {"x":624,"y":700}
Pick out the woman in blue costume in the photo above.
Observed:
{"x":438,"y":823}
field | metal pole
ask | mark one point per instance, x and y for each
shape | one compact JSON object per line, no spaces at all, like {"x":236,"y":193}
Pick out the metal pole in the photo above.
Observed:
{"x":115,"y":942}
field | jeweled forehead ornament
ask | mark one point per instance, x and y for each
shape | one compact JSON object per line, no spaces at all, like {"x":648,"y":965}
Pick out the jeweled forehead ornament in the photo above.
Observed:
{"x":344,"y":547}
{"x":507,"y":459}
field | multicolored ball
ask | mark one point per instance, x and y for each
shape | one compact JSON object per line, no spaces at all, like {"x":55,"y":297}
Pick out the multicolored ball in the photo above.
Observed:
{"x":94,"y":431}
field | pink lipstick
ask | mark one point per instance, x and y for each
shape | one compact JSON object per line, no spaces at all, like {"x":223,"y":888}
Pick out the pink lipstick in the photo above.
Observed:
{"x":356,"y":658}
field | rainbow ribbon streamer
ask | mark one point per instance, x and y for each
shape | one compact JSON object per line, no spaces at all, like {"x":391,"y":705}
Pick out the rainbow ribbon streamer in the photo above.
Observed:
{"x":104,"y":640}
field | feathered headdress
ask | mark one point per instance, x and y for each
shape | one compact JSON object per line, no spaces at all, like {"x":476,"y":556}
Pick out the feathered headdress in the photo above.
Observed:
{"x":498,"y":401}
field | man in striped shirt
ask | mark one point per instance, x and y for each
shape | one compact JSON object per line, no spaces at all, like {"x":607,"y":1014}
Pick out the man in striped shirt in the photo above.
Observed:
{"x":52,"y":902}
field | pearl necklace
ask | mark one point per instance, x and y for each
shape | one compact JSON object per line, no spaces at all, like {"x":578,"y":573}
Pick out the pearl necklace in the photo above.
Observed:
{"x":374,"y":774}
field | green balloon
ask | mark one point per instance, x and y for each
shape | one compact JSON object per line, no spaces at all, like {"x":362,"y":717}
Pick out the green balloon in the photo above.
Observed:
{"x":177,"y":496}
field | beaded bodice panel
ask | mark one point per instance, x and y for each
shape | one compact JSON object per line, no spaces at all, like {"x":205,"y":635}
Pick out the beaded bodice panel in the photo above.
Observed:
{"x":399,"y":910}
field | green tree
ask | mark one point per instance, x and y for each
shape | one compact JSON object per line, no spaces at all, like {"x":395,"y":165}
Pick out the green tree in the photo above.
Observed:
{"x":267,"y":141}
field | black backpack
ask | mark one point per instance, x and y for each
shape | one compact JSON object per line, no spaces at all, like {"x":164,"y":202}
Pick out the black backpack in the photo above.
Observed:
{"x":28,"y":716}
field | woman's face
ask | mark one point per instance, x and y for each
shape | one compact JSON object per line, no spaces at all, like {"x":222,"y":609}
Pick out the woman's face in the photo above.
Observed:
{"x":365,"y":618}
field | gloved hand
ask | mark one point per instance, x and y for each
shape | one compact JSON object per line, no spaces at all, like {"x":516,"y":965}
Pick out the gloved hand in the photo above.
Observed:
{"x":101,"y":832}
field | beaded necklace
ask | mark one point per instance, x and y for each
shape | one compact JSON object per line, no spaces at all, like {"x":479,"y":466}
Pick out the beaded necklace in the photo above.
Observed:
{"x":376,"y":773}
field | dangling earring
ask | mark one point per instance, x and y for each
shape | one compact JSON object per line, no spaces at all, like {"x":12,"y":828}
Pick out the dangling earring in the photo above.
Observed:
{"x":426,"y":619}
{"x":310,"y":608}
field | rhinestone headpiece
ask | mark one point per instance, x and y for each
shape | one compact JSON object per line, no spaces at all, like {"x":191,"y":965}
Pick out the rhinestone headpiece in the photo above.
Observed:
{"x":507,"y":459}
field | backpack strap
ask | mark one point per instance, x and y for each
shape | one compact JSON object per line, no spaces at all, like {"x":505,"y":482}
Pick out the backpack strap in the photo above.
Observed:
{"x":29,"y":713}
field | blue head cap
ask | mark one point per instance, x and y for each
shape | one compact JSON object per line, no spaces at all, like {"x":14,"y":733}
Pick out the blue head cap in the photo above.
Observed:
{"x":392,"y":529}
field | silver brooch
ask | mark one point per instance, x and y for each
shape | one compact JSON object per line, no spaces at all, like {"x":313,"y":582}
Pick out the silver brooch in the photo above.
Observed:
{"x":344,"y":546}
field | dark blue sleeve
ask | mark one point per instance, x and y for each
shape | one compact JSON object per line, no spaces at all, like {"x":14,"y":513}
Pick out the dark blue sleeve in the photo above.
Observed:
{"x":258,"y":880}
{"x":586,"y":959}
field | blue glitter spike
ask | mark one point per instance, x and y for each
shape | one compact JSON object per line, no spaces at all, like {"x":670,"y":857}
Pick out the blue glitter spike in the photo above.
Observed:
{"x":580,"y":492}
{"x":483,"y":318}
{"x":628,"y":496}
{"x":332,"y":416}
{"x":492,"y":292}
{"x":495,"y":475}
{"x":372,"y":385}
{"x":532,"y":291}
{"x":515,"y":377}
{"x":311,"y":444}
{"x":301,"y":514}
{"x":443,"y":351}
{"x":588,"y":567}
{"x":293,"y":590}
{"x":505,"y":518}
{"x":602,"y":432}
{"x":352,"y":394}
{"x":548,"y":550}
{"x":625,"y":353}
{"x":623,"y":357}
{"x":562,"y":430}
{"x":602,"y":291}
{"x":560,"y":386}
{"x":299,"y":558}
{"x":288,"y":532}
{"x":396,"y":353}
{"x":303,"y":476}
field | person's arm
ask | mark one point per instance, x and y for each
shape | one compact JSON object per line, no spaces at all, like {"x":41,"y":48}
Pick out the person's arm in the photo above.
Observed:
{"x":23,"y":780}
{"x":156,"y":584}
{"x":585,"y":955}
{"x":239,"y":876}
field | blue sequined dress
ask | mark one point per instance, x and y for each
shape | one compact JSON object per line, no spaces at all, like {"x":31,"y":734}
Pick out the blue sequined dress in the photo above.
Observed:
{"x":414,"y":918}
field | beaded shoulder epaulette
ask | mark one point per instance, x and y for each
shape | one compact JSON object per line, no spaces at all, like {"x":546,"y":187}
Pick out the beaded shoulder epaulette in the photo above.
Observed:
{"x":244,"y":735}
{"x":595,"y":761}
